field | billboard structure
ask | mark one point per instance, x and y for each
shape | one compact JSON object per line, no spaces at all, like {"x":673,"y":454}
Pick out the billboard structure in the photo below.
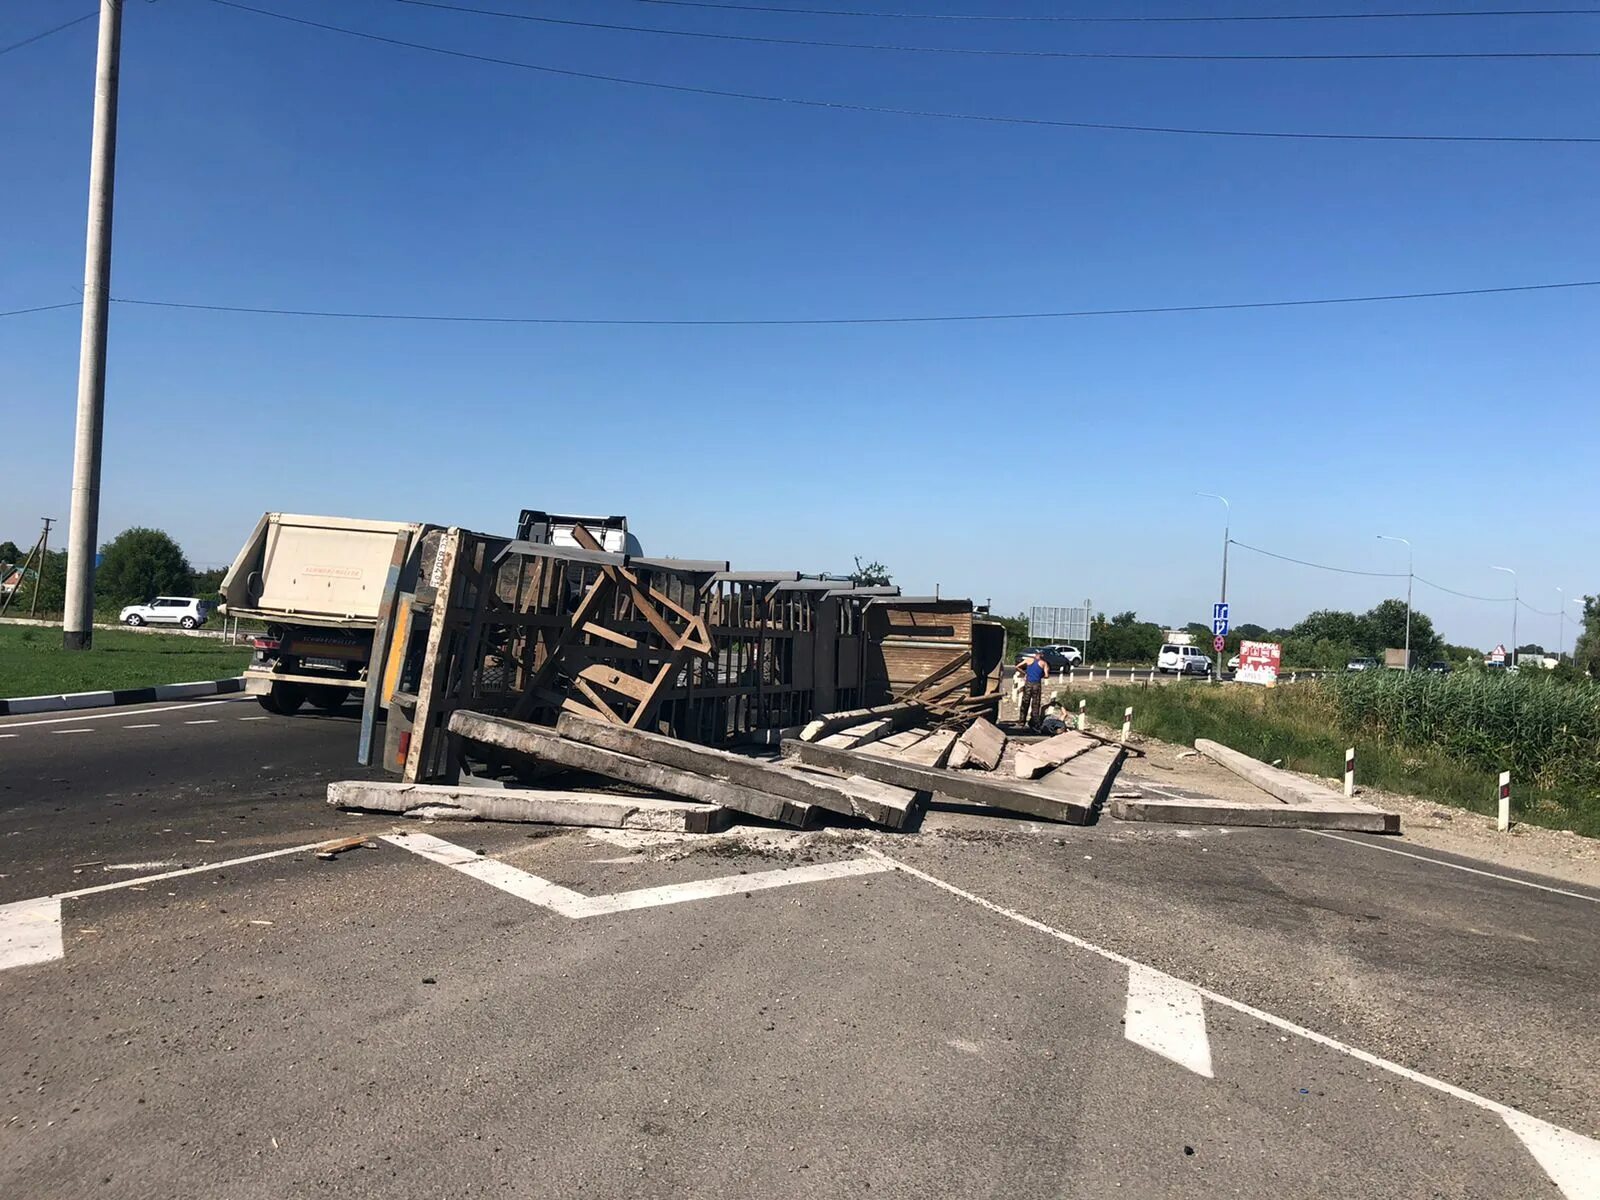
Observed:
{"x":1048,"y":624}
{"x":1259,"y":662}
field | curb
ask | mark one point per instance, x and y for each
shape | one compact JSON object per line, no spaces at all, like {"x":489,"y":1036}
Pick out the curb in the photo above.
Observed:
{"x":145,"y":695}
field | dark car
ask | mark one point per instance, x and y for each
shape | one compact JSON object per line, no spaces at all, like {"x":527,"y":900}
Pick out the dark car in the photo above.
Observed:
{"x":1053,"y":658}
{"x":1439,"y":668}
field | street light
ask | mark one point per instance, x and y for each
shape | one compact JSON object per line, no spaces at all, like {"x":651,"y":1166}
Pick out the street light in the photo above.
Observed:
{"x":1561,"y":638}
{"x":1410,"y":563}
{"x":1515,"y":604}
{"x":1227,"y":520}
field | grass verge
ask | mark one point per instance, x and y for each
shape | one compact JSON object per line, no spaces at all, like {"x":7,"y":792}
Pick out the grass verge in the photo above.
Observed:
{"x":1296,"y":724}
{"x":32,"y":662}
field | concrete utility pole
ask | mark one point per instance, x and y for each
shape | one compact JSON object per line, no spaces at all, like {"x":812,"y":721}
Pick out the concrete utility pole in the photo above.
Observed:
{"x":77,"y":626}
{"x":1227,"y":521}
{"x":38,"y":578}
{"x":1411,"y":563}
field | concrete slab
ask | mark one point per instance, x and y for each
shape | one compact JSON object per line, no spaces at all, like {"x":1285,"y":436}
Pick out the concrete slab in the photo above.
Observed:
{"x":1353,"y":818}
{"x":534,"y":805}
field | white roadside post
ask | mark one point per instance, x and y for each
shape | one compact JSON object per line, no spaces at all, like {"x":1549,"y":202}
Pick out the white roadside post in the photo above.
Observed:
{"x":1350,"y":771}
{"x":1083,"y":715}
{"x":1504,"y":823}
{"x":1127,"y":723}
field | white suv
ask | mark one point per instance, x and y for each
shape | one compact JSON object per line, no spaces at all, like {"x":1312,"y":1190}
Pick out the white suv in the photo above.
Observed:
{"x":1183,"y":660}
{"x":187,"y":611}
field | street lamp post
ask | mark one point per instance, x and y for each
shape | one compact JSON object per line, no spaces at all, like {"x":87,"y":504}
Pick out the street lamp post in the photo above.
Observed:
{"x":1516,"y":603}
{"x":1561,"y":638}
{"x":1227,"y":520}
{"x":1410,"y":572}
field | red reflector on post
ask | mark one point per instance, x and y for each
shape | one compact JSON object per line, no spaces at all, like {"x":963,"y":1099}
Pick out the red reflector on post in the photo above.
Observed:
{"x":405,"y":748}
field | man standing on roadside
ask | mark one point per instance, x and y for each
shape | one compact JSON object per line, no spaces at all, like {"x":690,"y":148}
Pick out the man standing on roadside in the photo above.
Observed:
{"x":1034,"y":671}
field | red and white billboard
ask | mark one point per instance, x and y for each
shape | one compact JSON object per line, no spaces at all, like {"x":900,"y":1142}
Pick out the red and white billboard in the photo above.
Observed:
{"x":1258,"y":662}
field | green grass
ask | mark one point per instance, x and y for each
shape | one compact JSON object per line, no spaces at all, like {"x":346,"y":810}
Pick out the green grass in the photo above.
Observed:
{"x":1441,"y":753}
{"x":32,"y":662}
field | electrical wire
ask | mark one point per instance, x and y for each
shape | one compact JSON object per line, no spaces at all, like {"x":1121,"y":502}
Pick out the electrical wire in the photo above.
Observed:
{"x":1439,"y":587}
{"x":1540,"y":611}
{"x":39,"y":37}
{"x":17,"y":312}
{"x":1319,"y":566}
{"x":983,"y":53}
{"x":946,"y":318}
{"x":1019,"y":19}
{"x":934,"y":114}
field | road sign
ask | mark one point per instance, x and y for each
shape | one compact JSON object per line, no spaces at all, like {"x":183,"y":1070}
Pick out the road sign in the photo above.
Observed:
{"x":1219,"y":619}
{"x":1259,"y":662}
{"x":1218,"y":644}
{"x":1053,"y":624}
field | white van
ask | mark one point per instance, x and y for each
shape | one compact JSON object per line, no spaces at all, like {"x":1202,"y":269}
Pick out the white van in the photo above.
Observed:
{"x":1183,"y":660}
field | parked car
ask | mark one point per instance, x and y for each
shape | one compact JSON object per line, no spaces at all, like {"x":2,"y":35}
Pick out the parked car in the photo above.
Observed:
{"x":1183,"y":660}
{"x":1362,"y":664}
{"x":1233,"y":663}
{"x":1057,"y":658}
{"x":188,"y":611}
{"x":1439,"y":668}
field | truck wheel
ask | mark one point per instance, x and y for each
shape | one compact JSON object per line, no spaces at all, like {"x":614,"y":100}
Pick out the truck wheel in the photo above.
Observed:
{"x":329,"y":699}
{"x":284,"y":699}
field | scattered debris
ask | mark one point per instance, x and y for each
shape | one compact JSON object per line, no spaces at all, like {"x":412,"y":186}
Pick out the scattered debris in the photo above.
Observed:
{"x":338,"y":846}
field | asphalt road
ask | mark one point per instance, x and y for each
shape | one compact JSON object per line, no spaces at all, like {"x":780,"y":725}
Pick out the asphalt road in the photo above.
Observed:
{"x":984,"y":1008}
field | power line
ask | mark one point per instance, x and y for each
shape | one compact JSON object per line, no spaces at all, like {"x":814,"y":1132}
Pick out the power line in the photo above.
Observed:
{"x":1319,"y":566}
{"x":930,"y":319}
{"x":843,"y":106}
{"x":39,"y":37}
{"x":1439,"y":587}
{"x":1019,"y":19}
{"x":982,"y":53}
{"x":941,"y":318}
{"x":1540,"y":611}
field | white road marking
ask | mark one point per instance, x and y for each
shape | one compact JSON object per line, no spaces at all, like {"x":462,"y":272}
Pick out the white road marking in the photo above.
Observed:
{"x":8,"y":735}
{"x":144,"y":866}
{"x":1571,"y":1160}
{"x":30,"y":932}
{"x":1167,"y":1016}
{"x":576,"y":905}
{"x":230,"y":862}
{"x":72,"y":731}
{"x":1439,"y":862}
{"x":254,"y":718}
{"x":206,"y":722}
{"x":117,"y":713}
{"x":157,"y":725}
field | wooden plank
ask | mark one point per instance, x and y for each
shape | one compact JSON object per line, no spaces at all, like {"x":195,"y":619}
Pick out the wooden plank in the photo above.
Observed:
{"x":1034,"y":760}
{"x":1086,"y":779}
{"x":535,"y":742}
{"x":904,"y":713}
{"x":981,"y":746}
{"x":859,"y":735}
{"x":542,"y":806}
{"x":932,"y":751}
{"x":891,"y":808}
{"x":610,"y":635}
{"x":1012,"y":795}
{"x":617,"y":681}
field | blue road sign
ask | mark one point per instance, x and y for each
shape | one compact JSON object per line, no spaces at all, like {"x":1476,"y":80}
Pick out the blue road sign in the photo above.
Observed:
{"x":1219,"y":619}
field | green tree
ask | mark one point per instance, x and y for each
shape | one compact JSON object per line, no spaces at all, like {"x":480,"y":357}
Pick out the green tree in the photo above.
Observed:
{"x":1124,"y":638}
{"x":206,"y":584}
{"x":1385,"y":625}
{"x":11,"y":554}
{"x":1586,"y":653}
{"x":874,"y":574}
{"x":140,"y":563}
{"x":1331,"y":626}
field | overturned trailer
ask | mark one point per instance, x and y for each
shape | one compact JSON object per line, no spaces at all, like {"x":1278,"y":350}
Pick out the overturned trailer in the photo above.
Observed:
{"x":529,"y":628}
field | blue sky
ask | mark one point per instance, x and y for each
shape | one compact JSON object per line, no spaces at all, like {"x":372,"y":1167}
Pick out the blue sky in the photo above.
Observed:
{"x":268,"y":164}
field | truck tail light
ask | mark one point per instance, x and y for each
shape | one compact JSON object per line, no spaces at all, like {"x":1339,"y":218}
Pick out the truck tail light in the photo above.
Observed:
{"x":263,"y":643}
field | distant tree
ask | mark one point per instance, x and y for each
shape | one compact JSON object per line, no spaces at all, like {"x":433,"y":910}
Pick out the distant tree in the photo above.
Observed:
{"x":1531,"y":648}
{"x":1385,"y":625}
{"x":206,"y":583}
{"x":1201,"y":634}
{"x":1124,"y":638}
{"x":1586,"y":653}
{"x":49,"y":579}
{"x":1252,"y":633}
{"x":1016,"y":633}
{"x":874,"y":574}
{"x":140,"y":563}
{"x":1331,"y":626}
{"x":11,"y":554}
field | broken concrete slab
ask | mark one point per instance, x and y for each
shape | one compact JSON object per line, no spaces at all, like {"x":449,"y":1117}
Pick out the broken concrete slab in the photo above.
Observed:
{"x":1086,"y":778}
{"x":890,"y":807}
{"x":902,"y":714}
{"x":931,"y":751}
{"x":1035,"y":759}
{"x":981,"y":746}
{"x":1340,"y":814}
{"x":998,"y":792}
{"x":441,"y":802}
{"x":852,"y":736}
{"x":545,"y":745}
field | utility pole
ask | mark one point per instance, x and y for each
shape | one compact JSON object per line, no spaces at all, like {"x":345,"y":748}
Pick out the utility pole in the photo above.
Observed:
{"x":1411,"y":564}
{"x":38,"y":576}
{"x":77,"y":625}
{"x":1227,"y":520}
{"x":1561,"y":638}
